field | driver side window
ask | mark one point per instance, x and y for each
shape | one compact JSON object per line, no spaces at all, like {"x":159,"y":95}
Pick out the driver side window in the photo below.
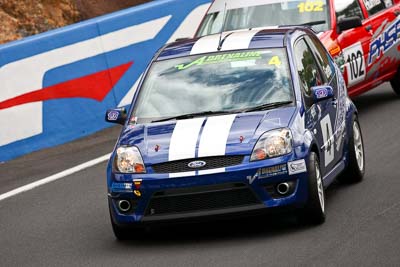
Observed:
{"x":348,"y":8}
{"x":307,"y":70}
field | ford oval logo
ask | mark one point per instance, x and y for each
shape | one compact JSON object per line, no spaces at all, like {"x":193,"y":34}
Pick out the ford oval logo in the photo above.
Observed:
{"x":196,"y":164}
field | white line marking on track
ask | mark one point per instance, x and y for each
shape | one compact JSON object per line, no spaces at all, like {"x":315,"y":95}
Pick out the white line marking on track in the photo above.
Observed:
{"x":54,"y":177}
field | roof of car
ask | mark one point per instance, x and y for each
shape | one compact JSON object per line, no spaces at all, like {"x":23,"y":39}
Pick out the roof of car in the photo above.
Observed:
{"x":238,"y":40}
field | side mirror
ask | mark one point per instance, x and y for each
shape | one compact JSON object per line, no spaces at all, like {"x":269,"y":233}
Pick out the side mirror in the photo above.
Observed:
{"x":116,"y":115}
{"x":322,"y":92}
{"x":349,"y":23}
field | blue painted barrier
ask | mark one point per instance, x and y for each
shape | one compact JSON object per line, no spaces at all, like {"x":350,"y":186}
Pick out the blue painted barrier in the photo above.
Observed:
{"x":56,"y":86}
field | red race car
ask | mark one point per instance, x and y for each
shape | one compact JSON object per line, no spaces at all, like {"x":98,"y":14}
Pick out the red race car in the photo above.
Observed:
{"x":363,"y":36}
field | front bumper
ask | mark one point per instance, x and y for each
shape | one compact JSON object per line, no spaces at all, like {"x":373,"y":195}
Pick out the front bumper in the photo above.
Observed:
{"x":244,"y":189}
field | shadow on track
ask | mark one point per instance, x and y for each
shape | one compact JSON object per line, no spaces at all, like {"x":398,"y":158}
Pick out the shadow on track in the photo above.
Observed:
{"x":223,"y":230}
{"x":255,"y":227}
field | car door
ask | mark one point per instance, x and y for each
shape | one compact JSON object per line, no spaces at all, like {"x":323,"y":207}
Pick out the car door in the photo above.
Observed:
{"x":337,"y":107}
{"x":319,"y":116}
{"x":384,"y":23}
{"x":354,"y":42}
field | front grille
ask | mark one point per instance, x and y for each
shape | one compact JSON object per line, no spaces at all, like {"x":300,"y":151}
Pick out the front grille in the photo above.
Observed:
{"x":200,"y":198}
{"x":211,"y":163}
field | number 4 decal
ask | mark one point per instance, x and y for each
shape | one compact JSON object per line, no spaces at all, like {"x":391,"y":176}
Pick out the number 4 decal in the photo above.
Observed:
{"x":327,"y":135}
{"x":355,"y":63}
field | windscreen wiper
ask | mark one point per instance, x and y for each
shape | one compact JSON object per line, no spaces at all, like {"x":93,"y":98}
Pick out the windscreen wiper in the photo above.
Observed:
{"x":313,"y":23}
{"x":267,"y":106}
{"x":192,"y":115}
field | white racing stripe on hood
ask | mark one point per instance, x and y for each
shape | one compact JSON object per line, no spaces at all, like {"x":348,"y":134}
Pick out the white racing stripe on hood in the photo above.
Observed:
{"x":215,"y":136}
{"x":238,"y":40}
{"x":184,"y":139}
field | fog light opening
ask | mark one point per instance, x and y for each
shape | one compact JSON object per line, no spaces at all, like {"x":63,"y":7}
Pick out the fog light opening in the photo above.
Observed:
{"x":282,"y":188}
{"x":124,"y":205}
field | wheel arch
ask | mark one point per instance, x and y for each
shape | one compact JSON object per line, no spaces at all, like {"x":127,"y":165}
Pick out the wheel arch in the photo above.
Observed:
{"x":314,"y":148}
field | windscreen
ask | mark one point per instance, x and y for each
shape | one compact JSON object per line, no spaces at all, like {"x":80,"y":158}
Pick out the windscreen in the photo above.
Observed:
{"x":217,"y":82}
{"x":272,"y":13}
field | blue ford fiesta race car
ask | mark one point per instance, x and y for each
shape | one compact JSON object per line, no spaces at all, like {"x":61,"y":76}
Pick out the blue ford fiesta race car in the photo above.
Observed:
{"x":236,"y":123}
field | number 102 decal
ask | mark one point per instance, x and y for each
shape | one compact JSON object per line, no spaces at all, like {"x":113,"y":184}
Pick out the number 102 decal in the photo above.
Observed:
{"x":355,"y":63}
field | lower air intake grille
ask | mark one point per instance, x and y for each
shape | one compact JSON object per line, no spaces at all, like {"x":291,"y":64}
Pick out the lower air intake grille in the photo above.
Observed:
{"x":200,"y":199}
{"x":211,"y":163}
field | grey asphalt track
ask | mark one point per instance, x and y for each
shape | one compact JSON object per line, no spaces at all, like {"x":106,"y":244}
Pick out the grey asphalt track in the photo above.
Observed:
{"x":66,"y":222}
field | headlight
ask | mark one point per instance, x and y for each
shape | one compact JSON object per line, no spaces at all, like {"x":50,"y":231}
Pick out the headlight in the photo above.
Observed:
{"x":272,"y":144}
{"x":129,"y":160}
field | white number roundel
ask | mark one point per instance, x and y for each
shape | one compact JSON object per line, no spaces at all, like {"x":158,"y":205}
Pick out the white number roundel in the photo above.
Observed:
{"x":355,"y":63}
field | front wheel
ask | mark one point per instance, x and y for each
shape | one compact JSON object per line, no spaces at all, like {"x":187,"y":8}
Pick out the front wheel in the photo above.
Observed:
{"x":355,"y":169}
{"x":314,"y":211}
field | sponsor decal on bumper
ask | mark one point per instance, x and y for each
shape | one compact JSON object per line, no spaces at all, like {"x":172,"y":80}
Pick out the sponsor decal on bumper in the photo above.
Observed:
{"x":268,"y":172}
{"x":297,"y":166}
{"x":121,"y":187}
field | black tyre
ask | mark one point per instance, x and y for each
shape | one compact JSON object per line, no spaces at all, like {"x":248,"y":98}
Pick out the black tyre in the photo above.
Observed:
{"x":355,"y":169}
{"x":395,"y":82}
{"x":121,"y":233}
{"x":314,"y":211}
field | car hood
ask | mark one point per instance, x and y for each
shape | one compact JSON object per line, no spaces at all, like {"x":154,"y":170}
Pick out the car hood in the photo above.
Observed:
{"x":233,"y":134}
